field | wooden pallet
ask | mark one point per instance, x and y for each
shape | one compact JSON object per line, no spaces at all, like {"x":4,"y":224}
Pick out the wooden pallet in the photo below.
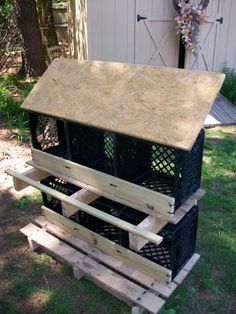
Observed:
{"x":130,"y":285}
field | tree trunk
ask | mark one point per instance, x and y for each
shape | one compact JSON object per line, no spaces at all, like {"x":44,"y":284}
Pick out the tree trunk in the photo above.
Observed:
{"x":32,"y":39}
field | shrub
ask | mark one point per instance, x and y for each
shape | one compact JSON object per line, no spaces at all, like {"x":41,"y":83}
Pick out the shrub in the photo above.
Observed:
{"x":12,"y":93}
{"x":229,"y":87}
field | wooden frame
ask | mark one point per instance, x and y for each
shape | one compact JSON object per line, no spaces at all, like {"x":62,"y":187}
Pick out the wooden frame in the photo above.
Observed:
{"x":146,"y":200}
{"x":31,"y":173}
{"x":83,"y":196}
{"x":86,"y":266}
{"x":106,"y":259}
{"x":89,"y":192}
{"x":174,"y":219}
{"x":88,"y":209}
{"x":130,"y":285}
{"x":132,"y":259}
{"x":151,"y":224}
{"x":154,"y":224}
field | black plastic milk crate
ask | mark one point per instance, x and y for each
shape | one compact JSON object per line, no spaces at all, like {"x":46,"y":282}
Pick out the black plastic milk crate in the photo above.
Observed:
{"x":106,"y":151}
{"x":105,"y":229}
{"x":179,"y":241}
{"x":170,"y":171}
{"x":178,"y":245}
{"x":59,"y":185}
{"x":167,"y":170}
{"x":48,"y":134}
{"x":91,"y":147}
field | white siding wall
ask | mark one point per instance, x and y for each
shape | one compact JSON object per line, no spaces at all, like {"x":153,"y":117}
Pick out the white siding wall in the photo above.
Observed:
{"x":111,"y":30}
{"x":227,"y":37}
{"x":114,"y":34}
{"x":156,"y":40}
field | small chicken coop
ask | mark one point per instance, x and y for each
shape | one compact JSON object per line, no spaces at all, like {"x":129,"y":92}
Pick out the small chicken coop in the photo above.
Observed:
{"x":117,"y":153}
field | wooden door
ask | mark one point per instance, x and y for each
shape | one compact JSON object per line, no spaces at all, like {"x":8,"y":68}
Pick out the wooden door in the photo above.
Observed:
{"x":226,"y":47}
{"x":207,"y":57}
{"x":111,"y":30}
{"x":156,"y":42}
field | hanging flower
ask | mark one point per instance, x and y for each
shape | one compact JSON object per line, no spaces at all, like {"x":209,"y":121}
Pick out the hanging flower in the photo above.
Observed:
{"x":191,"y":15}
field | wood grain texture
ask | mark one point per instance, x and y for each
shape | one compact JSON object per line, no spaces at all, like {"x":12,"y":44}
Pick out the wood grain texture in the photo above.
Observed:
{"x":83,"y":196}
{"x":108,"y":260}
{"x":99,"y":274}
{"x":150,"y":223}
{"x":130,"y":258}
{"x":163,"y":105}
{"x":32,"y":173}
{"x":89,"y":209}
{"x":174,"y":219}
{"x":147,"y":199}
{"x":171,"y":218}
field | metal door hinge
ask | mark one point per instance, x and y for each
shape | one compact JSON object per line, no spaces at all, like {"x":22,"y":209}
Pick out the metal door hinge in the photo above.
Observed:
{"x":139,"y":18}
{"x":220,"y":20}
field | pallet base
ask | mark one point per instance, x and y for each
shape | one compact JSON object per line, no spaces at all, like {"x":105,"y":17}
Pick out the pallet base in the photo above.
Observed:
{"x":140,"y":291}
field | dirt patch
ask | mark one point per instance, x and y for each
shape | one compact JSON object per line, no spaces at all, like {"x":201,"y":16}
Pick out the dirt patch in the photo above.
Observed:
{"x":27,"y":281}
{"x":12,"y":155}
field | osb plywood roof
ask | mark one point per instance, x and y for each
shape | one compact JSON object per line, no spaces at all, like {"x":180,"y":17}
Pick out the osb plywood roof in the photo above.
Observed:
{"x":163,"y":105}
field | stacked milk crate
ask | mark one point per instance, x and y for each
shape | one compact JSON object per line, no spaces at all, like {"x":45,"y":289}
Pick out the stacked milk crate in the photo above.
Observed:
{"x":167,"y":170}
{"x":132,"y":137}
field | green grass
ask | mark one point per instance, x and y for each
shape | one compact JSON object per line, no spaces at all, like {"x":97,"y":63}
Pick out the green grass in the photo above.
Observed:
{"x":41,"y":263}
{"x":12,"y":93}
{"x":229,"y":87}
{"x":212,"y":282}
{"x":34,"y":197}
{"x":11,"y":239}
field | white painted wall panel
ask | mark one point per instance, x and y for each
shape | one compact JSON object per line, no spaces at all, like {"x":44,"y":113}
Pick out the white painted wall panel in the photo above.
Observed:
{"x":209,"y":40}
{"x":226,"y":52}
{"x":156,"y":41}
{"x":115,"y":35}
{"x":111,"y":30}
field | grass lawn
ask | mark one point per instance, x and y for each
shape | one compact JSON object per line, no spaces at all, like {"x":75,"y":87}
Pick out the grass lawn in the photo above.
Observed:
{"x":32,"y":283}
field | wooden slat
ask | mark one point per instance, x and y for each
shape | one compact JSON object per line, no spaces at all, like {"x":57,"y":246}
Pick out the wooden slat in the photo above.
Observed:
{"x":198,"y":195}
{"x":151,"y":224}
{"x":179,"y":213}
{"x":100,"y":192}
{"x":154,"y":224}
{"x":192,"y":262}
{"x":106,"y":259}
{"x":83,"y":196}
{"x":94,"y":271}
{"x":143,"y":197}
{"x":31,"y":173}
{"x":127,"y":256}
{"x":180,"y":277}
{"x":187,"y":205}
{"x":186,"y":269}
{"x":89,"y":209}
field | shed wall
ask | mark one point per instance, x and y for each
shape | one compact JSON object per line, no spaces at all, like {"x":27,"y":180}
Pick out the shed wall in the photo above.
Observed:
{"x":227,"y":38}
{"x":115,"y":35}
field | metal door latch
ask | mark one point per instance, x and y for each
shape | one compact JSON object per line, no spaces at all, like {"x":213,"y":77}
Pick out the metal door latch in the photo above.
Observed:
{"x":139,"y":18}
